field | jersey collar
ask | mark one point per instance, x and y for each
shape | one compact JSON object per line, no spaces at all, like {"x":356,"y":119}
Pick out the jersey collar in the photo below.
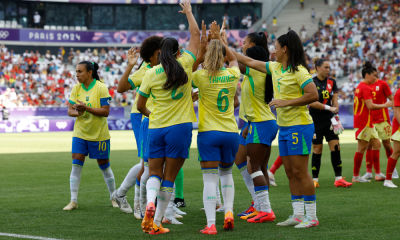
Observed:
{"x":283,"y":71}
{"x":90,"y":86}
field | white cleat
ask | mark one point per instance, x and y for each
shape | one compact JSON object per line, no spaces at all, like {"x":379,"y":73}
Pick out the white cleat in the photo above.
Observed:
{"x":380,"y":177}
{"x":367,"y":176}
{"x":360,"y":179}
{"x":122,"y":203}
{"x":137,"y":213}
{"x":71,"y":206}
{"x":389,"y":184}
{"x":271,"y":179}
{"x":395,"y":175}
{"x":114,"y":203}
{"x":142,"y":208}
{"x":169,"y":219}
{"x":308,"y":222}
{"x":220,"y":209}
{"x":177,"y":216}
{"x":291,"y":221}
{"x":178,"y":211}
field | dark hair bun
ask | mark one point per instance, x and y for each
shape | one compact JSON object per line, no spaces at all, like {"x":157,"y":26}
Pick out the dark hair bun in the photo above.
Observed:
{"x":368,"y":64}
{"x":96,"y":66}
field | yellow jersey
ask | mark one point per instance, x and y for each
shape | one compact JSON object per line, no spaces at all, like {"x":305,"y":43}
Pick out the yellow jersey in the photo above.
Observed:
{"x":253,"y":97}
{"x":216,"y":99}
{"x":174,"y":106}
{"x":135,"y":80}
{"x":88,"y":126}
{"x":289,"y":86}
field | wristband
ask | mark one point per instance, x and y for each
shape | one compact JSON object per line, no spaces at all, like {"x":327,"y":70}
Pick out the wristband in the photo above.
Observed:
{"x":327,"y":107}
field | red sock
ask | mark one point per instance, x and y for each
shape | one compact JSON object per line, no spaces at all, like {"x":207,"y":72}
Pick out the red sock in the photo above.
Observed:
{"x":375,"y":157}
{"x":389,"y":153}
{"x":368,"y":157}
{"x":390,"y":168}
{"x":277,"y":164}
{"x":358,"y":157}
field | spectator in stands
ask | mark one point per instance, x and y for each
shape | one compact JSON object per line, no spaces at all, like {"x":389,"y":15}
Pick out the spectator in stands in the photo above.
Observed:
{"x":255,"y":18}
{"x":303,"y":33}
{"x":275,"y":24}
{"x":264,"y":26}
{"x":312,"y":15}
{"x":249,"y":23}
{"x":36,"y":20}
{"x":226,"y":17}
{"x":236,"y":22}
{"x":182,"y":26}
{"x":244,"y":22}
{"x":301,"y":4}
{"x":320,"y":24}
{"x":249,"y":18}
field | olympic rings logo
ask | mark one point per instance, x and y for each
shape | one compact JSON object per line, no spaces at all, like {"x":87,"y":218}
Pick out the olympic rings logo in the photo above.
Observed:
{"x":4,"y":34}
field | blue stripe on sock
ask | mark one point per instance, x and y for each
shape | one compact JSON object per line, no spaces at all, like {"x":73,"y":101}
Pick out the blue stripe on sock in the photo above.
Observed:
{"x":156,"y":177}
{"x":104,"y":166}
{"x":260,"y":189}
{"x":310,"y":199}
{"x":297,"y":198}
{"x":77,"y":163}
{"x":242,"y":166}
{"x":137,"y":182}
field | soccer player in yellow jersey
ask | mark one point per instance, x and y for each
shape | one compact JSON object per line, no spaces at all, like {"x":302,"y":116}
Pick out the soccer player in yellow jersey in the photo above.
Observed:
{"x":89,"y":103}
{"x":293,"y":90}
{"x":170,"y":127}
{"x":218,"y":140}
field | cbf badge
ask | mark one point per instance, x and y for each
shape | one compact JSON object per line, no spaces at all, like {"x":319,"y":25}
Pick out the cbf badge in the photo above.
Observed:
{"x":87,"y":98}
{"x":315,"y":136}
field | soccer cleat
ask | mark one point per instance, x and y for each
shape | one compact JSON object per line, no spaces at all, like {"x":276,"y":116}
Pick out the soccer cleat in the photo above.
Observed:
{"x":170,"y":219}
{"x":342,"y":183}
{"x":228,"y":222}
{"x":147,"y":222}
{"x":248,"y":211}
{"x":179,"y":202}
{"x":158,"y":229}
{"x":263,"y":217}
{"x":389,"y":183}
{"x":178,"y":211}
{"x":137,"y":213}
{"x":307,"y":223}
{"x":220,"y":208}
{"x":271,"y":179}
{"x":367,"y":176}
{"x":209,"y":230}
{"x":71,"y":206}
{"x":121,"y":203}
{"x":316,"y":184}
{"x":142,"y":207}
{"x":380,"y":177}
{"x":251,"y":215}
{"x":395,"y":175}
{"x":360,"y":179}
{"x":291,"y":221}
{"x":114,"y":203}
{"x":177,"y":215}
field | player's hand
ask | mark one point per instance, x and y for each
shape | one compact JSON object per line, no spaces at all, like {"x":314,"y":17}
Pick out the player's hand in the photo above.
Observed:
{"x":195,"y":96}
{"x":333,"y":109}
{"x":224,"y":37}
{"x":81,"y":107}
{"x":133,"y":55}
{"x":186,"y":7}
{"x":245,"y":132}
{"x":388,"y":104}
{"x":203,"y":42}
{"x":215,"y":31}
{"x":337,"y":129}
{"x":278,"y":103}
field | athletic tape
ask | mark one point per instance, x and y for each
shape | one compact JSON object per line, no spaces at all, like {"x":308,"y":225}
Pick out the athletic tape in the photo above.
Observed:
{"x":256,"y":174}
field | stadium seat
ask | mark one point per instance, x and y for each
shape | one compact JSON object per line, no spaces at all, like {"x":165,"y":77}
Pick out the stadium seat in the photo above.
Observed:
{"x":65,"y":28}
{"x":59,"y":28}
{"x":52,"y":27}
{"x":19,"y":26}
{"x":78,"y":28}
{"x":2,"y":24}
{"x":84,"y":28}
{"x":46,"y":27}
{"x":71,"y":28}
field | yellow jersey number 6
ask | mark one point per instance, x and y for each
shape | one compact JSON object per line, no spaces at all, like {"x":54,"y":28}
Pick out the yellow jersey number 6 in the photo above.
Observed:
{"x":102,"y":146}
{"x":295,"y":138}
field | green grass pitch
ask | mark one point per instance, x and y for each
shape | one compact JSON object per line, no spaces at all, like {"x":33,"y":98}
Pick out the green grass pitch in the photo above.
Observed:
{"x":34,"y":178}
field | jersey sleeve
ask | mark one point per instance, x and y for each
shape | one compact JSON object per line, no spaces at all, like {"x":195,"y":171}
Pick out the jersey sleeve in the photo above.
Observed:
{"x":145,"y":87}
{"x":386,"y":89}
{"x":187,"y":60}
{"x":268,"y":66}
{"x":397,"y":99}
{"x":137,"y":77}
{"x":72,"y":97}
{"x":196,"y":79}
{"x":235,"y":71}
{"x":335,"y":89}
{"x":303,"y":77}
{"x":105,"y":96}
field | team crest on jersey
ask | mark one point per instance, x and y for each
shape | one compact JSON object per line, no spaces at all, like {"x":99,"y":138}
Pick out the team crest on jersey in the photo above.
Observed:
{"x":377,"y":88}
{"x":329,"y":86}
{"x":315,"y":136}
{"x":87,"y":98}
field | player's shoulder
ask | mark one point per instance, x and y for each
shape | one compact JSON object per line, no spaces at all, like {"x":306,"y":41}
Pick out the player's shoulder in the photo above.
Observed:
{"x":302,"y":70}
{"x":383,"y":83}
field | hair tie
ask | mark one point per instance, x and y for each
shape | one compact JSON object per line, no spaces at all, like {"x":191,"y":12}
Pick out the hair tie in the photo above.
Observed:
{"x":93,"y":63}
{"x":176,"y":52}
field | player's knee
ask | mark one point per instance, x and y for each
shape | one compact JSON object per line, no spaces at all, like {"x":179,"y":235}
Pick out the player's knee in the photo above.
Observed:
{"x":336,"y":148}
{"x":289,"y":173}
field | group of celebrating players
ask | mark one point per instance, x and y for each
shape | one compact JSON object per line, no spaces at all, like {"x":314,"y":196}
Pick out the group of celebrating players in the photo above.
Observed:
{"x":163,"y":114}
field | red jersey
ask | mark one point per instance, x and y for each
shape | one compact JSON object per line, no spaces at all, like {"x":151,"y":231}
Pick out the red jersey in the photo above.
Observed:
{"x":362,"y":117}
{"x":396,"y":104}
{"x":380,"y":92}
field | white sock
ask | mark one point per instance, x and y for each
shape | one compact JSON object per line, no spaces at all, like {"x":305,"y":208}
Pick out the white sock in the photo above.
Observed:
{"x":249,"y":183}
{"x":338,"y":178}
{"x":298,"y":205}
{"x":218,"y":195}
{"x":315,"y":179}
{"x":263,"y":198}
{"x":311,"y":206}
{"x":137,"y":191}
{"x":227,"y":186}
{"x":164,"y":195}
{"x":170,"y":210}
{"x":129,"y":180}
{"x":143,"y":182}
{"x":210,"y":180}
{"x":75,"y":179}
{"x":152,"y":188}
{"x":108,"y":176}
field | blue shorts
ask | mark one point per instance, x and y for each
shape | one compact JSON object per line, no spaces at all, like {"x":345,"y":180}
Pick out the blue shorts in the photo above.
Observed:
{"x":173,"y":141}
{"x":295,"y":140}
{"x":262,"y":132}
{"x":136,"y":120}
{"x":96,"y":150}
{"x":217,"y":146}
{"x":242,"y":141}
{"x":144,"y":132}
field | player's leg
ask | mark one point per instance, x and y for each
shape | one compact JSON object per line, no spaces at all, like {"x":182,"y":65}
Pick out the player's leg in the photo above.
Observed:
{"x":392,"y":162}
{"x":169,"y":217}
{"x":142,"y":198}
{"x":369,"y":162}
{"x":79,"y":151}
{"x":271,"y":173}
{"x":138,"y":185}
{"x":376,"y":146}
{"x":363,"y":137}
{"x":317,"y":154}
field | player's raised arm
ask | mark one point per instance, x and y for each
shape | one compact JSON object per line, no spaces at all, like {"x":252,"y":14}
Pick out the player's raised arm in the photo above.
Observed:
{"x":123,"y":84}
{"x":202,"y":47}
{"x":216,"y":34}
{"x":193,"y":27}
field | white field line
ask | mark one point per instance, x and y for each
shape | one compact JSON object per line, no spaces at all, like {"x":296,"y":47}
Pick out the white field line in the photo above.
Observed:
{"x":26,"y":236}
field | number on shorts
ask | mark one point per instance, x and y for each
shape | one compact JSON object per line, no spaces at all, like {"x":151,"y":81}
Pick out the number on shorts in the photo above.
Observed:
{"x":295,"y":138}
{"x":102,"y":146}
{"x":222,"y":98}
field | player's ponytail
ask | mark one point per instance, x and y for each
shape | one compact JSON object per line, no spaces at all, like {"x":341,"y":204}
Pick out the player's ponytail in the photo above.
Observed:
{"x":214,"y":59}
{"x":260,"y":54}
{"x":91,"y":66}
{"x":259,"y":39}
{"x":318,"y":62}
{"x":368,"y":68}
{"x":176,"y":75}
{"x":296,"y":55}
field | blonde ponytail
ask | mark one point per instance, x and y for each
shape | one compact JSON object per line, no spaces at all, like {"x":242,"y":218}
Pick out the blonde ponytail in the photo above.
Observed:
{"x":214,"y":59}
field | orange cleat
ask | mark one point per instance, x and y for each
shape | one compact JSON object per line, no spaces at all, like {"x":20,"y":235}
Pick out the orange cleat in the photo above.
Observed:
{"x":209,"y":230}
{"x":147,"y":222}
{"x":253,"y":214}
{"x":342,"y":183}
{"x":158,"y":229}
{"x":263,"y":217}
{"x":228,"y":222}
{"x":316,"y":184}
